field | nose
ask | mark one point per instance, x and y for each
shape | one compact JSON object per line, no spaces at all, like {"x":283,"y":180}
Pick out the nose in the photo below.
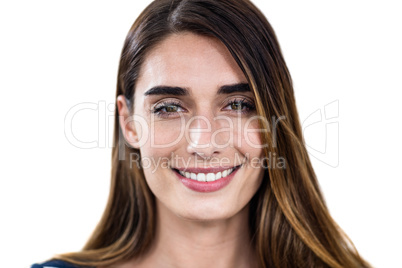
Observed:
{"x":200,"y":136}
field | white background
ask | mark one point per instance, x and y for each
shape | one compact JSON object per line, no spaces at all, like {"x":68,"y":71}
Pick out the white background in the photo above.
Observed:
{"x":57,"y":54}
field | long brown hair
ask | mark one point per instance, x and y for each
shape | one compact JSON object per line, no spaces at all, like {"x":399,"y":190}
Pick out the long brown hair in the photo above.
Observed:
{"x":289,"y":221}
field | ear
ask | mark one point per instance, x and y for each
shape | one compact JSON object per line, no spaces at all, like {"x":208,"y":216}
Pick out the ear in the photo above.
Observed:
{"x":127,"y":123}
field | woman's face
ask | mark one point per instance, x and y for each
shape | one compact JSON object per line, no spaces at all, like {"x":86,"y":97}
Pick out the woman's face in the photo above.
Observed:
{"x":197,"y":129}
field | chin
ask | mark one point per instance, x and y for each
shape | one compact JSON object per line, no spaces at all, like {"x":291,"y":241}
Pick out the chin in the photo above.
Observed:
{"x":209,"y":211}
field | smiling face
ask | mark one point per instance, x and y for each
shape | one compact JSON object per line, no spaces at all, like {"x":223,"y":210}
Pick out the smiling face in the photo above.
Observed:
{"x":199,"y":143}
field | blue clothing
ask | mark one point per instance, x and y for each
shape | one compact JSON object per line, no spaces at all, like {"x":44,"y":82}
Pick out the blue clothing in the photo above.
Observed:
{"x":55,"y":264}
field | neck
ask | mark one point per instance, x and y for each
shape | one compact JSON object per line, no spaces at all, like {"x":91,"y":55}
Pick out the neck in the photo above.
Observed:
{"x":186,"y":243}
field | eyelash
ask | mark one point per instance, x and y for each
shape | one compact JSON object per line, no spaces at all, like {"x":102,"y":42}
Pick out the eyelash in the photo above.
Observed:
{"x":158,"y":109}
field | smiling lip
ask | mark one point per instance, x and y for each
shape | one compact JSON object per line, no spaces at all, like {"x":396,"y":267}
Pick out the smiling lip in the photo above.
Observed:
{"x":206,"y":179}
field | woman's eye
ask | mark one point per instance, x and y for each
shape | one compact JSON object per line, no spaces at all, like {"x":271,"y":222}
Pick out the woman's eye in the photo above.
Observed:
{"x":242,"y":105}
{"x":167,"y":109}
{"x":172,"y":108}
{"x":236,"y":106}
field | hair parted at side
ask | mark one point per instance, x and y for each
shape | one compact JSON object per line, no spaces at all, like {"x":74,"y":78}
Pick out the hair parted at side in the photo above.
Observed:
{"x":289,"y":221}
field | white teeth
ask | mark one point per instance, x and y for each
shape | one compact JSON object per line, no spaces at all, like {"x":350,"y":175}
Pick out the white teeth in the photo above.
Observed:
{"x":201,"y":177}
{"x":224,"y":173}
{"x":211,"y":177}
{"x":208,"y":176}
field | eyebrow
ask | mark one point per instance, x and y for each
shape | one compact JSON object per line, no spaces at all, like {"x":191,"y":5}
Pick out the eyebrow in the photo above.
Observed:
{"x":228,"y":89}
{"x":180,"y":91}
{"x":165,"y":90}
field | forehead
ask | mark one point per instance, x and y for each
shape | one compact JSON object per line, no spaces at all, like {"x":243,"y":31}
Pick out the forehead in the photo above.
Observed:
{"x":191,"y":61}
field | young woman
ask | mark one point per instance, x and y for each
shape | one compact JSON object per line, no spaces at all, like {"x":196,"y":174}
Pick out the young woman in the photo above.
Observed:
{"x":209,"y":164}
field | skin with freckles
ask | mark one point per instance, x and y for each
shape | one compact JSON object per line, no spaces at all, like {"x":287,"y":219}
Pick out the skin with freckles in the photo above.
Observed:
{"x":189,"y":121}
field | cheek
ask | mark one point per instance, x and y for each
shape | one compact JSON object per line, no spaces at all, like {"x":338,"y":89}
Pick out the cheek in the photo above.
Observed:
{"x":238,"y":132}
{"x":163,"y":135}
{"x":156,"y":152}
{"x":247,"y":138}
{"x":252,"y":133}
{"x":155,"y":164}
